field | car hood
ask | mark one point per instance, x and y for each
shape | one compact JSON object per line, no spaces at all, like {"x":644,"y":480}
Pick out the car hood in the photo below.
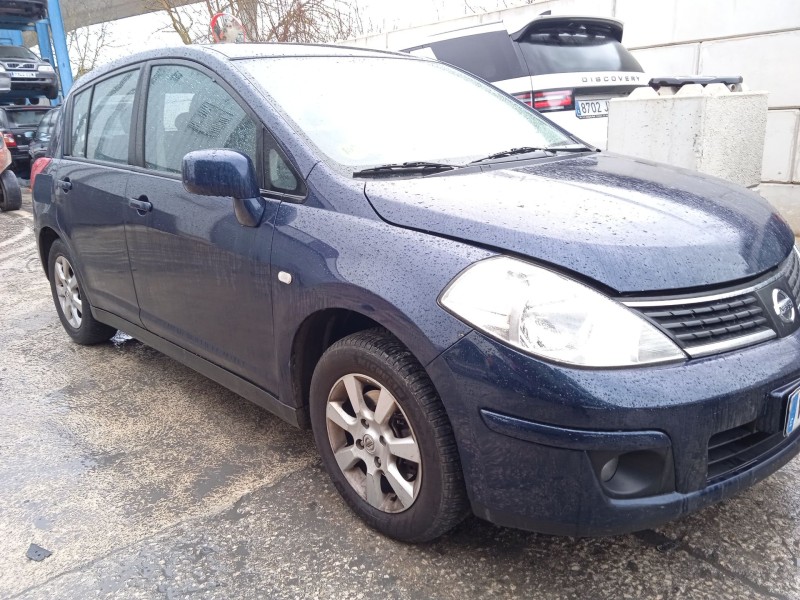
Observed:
{"x":629,"y":224}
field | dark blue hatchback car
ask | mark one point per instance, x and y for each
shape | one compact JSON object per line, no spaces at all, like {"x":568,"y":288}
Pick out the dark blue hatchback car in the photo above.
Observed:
{"x":471,"y":309}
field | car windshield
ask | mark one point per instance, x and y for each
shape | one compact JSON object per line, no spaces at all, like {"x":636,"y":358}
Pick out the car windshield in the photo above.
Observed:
{"x":17,"y":52}
{"x":23,"y":118}
{"x":362,"y":111}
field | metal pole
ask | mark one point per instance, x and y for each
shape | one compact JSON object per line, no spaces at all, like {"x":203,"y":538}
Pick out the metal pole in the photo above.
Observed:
{"x":60,"y":45}
{"x":13,"y":36}
{"x":43,"y":35}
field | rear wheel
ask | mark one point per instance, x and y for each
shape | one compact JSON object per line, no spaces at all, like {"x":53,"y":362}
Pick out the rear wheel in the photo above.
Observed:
{"x":385,"y":438}
{"x":11,"y":192}
{"x":72,"y":306}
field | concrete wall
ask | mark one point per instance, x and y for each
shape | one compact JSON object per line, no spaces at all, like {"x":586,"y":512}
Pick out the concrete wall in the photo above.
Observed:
{"x":758,"y":39}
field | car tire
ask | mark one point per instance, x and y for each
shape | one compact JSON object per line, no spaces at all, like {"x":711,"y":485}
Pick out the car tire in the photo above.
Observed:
{"x":51,"y":93}
{"x":10,"y":191}
{"x":373,"y":411}
{"x":72,"y":306}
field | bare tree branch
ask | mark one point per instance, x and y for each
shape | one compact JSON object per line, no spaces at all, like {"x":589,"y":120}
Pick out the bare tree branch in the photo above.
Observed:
{"x":268,"y":20}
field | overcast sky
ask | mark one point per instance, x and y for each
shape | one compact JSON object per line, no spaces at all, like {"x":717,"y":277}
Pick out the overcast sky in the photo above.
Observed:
{"x":154,"y":31}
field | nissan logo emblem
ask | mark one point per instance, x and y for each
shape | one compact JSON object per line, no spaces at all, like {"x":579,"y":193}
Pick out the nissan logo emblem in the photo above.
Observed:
{"x":783,"y":306}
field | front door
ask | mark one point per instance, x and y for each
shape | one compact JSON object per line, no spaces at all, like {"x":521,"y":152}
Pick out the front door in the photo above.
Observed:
{"x":202,"y":279}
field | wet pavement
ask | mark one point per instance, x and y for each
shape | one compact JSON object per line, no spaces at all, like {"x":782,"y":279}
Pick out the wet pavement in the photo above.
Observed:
{"x":147,"y":480}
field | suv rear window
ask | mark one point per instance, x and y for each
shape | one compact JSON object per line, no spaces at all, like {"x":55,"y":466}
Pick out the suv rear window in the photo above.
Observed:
{"x":25,"y":118}
{"x":490,"y":56}
{"x":574,"y":53}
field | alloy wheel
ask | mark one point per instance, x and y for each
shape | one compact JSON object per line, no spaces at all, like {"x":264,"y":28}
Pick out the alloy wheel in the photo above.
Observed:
{"x":373,"y":443}
{"x":69,"y":294}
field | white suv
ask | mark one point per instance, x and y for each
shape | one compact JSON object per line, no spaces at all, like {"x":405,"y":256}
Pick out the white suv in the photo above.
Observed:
{"x":565,"y":67}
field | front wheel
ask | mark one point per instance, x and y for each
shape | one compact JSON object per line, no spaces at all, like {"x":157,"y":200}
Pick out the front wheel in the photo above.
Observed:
{"x":385,"y":438}
{"x":72,"y":306}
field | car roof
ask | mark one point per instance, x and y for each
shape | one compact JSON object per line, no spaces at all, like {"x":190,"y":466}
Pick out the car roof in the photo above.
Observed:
{"x":226,"y":53}
{"x":259,"y":50}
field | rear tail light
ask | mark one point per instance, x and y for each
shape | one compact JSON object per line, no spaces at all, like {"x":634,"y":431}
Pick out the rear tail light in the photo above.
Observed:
{"x":525,"y":98}
{"x":9,"y":140}
{"x":38,"y":166}
{"x":553,"y":100}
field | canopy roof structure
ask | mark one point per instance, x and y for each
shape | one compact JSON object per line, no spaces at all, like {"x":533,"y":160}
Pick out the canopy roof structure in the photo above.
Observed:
{"x":82,"y":13}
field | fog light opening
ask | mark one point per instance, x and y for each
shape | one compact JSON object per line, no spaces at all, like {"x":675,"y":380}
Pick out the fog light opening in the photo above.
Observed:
{"x":634,"y":474}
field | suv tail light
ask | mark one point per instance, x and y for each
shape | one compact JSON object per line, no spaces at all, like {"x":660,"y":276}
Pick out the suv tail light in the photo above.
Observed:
{"x":37,"y":167}
{"x":9,"y":140}
{"x":552,"y":100}
{"x":525,"y":98}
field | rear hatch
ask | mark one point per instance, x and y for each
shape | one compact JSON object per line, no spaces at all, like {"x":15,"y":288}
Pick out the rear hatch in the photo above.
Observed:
{"x":23,"y":122}
{"x":577,"y":64}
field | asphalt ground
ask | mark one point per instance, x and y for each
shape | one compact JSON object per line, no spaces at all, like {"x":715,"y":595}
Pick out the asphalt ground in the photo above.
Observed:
{"x":146,"y":480}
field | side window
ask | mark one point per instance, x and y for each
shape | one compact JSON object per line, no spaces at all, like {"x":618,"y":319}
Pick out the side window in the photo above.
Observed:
{"x":187,"y":111}
{"x":80,"y":119}
{"x":280,"y":176}
{"x":110,"y":118}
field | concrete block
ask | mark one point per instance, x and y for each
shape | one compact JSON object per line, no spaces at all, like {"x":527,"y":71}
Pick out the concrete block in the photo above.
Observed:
{"x":796,"y":170}
{"x":762,"y":60}
{"x":651,"y":23}
{"x":669,"y":60}
{"x":779,"y":149}
{"x":709,"y":129}
{"x":785,"y":198}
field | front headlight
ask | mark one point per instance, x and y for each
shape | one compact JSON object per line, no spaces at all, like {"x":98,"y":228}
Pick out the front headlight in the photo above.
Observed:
{"x":552,"y":316}
{"x":46,"y":69}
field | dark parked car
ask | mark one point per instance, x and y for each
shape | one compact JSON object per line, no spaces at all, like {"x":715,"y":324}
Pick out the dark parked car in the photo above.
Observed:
{"x":18,"y":125}
{"x":29,"y":74}
{"x":41,"y":138}
{"x":28,"y":10}
{"x":471,"y":310}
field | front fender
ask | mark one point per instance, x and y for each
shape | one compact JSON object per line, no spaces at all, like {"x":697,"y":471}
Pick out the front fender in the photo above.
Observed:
{"x":389,"y":274}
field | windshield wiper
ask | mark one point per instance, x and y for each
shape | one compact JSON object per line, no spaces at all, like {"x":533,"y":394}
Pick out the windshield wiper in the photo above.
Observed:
{"x":529,"y":149}
{"x":418,"y":166}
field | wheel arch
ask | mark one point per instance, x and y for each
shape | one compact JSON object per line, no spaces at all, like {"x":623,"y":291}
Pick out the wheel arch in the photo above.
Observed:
{"x":47,"y":237}
{"x":318,"y":332}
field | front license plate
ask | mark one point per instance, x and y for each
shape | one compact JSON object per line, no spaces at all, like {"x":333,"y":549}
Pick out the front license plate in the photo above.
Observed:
{"x":23,"y":74}
{"x":591,"y":108}
{"x":793,"y":412}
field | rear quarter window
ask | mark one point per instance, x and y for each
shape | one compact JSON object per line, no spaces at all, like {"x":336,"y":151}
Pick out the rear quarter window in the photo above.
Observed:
{"x":490,"y":56}
{"x":79,"y":123}
{"x":575,"y":53}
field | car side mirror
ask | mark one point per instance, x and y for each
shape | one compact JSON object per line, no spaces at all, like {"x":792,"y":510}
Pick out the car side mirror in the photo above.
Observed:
{"x":228,"y":173}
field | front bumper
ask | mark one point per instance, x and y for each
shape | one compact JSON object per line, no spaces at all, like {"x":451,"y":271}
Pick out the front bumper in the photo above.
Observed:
{"x":531,"y":433}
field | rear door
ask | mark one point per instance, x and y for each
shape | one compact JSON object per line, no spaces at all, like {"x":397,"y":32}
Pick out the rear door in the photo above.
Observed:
{"x":202,"y":279}
{"x":90,"y":190}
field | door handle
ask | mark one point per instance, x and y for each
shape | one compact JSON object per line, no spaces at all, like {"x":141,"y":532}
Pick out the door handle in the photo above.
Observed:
{"x":140,"y":204}
{"x":65,"y":184}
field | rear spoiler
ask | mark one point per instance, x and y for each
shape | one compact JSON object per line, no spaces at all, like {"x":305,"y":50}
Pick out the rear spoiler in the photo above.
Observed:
{"x":565,"y":24}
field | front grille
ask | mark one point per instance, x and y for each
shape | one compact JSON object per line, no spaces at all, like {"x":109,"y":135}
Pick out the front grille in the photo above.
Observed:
{"x":736,"y":449}
{"x":729,"y":319}
{"x":13,"y":65}
{"x":709,"y":322}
